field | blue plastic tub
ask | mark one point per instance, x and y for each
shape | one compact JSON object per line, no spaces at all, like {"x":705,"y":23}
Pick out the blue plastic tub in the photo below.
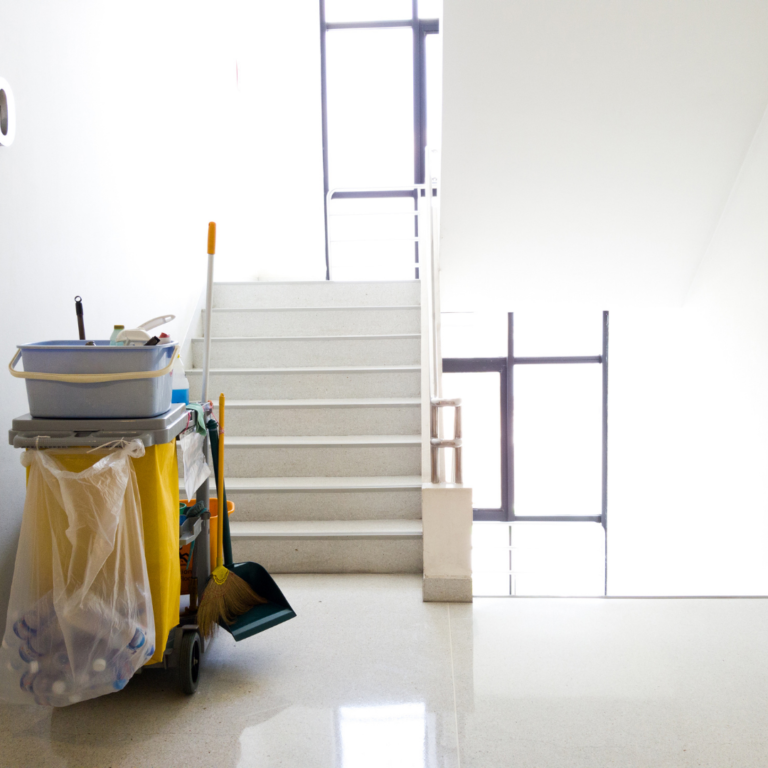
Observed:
{"x":135,"y":398}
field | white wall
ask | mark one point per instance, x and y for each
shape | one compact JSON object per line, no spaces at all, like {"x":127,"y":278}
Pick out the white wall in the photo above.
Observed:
{"x":589,"y":147}
{"x":689,"y":418}
{"x":133,"y":132}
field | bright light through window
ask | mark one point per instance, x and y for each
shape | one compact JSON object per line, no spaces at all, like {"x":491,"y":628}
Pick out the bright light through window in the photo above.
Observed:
{"x":434,"y":56}
{"x":430,"y":9}
{"x":558,"y":433}
{"x":373,"y":238}
{"x":368,"y":10}
{"x":545,"y":559}
{"x":480,"y":394}
{"x":558,"y":334}
{"x":370,"y":107}
{"x":391,"y":736}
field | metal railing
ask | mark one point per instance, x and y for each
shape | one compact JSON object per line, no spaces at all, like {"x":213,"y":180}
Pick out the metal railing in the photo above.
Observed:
{"x":436,"y":442}
{"x":371,"y":193}
{"x":429,"y":271}
{"x":436,"y":400}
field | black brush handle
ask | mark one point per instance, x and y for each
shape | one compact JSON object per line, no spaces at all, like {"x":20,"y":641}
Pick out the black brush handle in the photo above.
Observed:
{"x":213,"y":434}
{"x":79,"y":313}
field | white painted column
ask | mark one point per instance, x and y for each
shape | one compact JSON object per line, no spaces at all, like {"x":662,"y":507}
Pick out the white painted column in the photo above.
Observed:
{"x":446,"y":511}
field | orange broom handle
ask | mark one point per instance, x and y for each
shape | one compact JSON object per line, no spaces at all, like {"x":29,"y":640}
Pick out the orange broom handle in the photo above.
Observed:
{"x":220,"y":487}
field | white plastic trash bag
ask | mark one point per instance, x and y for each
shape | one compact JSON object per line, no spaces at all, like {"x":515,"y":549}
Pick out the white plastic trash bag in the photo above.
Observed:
{"x":80,"y":619}
{"x":196,"y":469}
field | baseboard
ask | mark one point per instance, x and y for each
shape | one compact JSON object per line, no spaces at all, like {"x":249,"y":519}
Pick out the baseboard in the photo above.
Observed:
{"x":447,"y":590}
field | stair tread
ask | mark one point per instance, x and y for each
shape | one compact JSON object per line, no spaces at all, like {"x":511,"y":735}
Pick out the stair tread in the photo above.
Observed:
{"x":348,"y":402}
{"x":386,"y":482}
{"x":330,"y":369}
{"x":317,"y":282}
{"x":290,"y":440}
{"x":327,"y":529}
{"x":317,"y":309}
{"x":341,"y":337}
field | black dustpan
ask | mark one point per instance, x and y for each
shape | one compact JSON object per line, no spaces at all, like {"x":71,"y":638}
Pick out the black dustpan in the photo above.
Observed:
{"x":260,"y":617}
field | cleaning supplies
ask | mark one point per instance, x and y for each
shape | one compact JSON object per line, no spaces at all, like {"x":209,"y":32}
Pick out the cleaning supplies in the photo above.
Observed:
{"x":226,"y":595}
{"x":276,"y":609}
{"x":138,"y":337}
{"x":179,"y":382}
{"x":113,"y":342}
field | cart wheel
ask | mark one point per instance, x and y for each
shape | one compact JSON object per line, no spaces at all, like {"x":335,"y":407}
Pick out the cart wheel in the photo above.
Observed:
{"x":189,"y":662}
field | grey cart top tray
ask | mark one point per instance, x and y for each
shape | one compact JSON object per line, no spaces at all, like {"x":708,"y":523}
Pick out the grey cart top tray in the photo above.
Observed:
{"x":28,"y":432}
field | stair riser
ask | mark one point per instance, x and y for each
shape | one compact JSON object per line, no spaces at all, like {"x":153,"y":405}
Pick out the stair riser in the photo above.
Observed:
{"x":390,"y":420}
{"x":360,"y":555}
{"x":328,"y":322}
{"x":296,"y":353}
{"x":321,"y":461}
{"x":263,"y":506}
{"x":296,"y":386}
{"x":320,"y":294}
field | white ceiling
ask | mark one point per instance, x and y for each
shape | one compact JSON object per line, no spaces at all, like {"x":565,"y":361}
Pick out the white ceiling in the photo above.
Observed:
{"x":590,"y":146}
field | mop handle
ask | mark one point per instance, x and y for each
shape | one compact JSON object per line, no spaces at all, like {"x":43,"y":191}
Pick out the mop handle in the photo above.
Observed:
{"x":220,"y":487}
{"x":208,"y":308}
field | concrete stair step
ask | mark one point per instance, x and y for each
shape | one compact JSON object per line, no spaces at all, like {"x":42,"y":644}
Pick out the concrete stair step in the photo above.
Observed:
{"x":315,"y":321}
{"x":310,"y":382}
{"x":323,"y":498}
{"x":350,"y":416}
{"x":322,"y":456}
{"x":316,"y":294}
{"x":290,"y":352}
{"x":331,"y":546}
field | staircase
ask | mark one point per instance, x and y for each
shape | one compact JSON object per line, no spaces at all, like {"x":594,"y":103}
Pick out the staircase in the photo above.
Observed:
{"x":323,"y":425}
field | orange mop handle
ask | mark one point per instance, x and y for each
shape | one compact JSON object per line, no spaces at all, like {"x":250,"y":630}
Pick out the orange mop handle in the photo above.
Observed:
{"x":220,"y":487}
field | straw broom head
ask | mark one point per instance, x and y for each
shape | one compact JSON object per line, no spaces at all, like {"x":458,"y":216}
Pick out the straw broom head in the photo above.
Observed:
{"x":226,"y":597}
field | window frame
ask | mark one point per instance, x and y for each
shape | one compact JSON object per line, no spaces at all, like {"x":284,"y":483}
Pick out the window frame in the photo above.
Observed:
{"x":505,"y":366}
{"x":421,"y":28}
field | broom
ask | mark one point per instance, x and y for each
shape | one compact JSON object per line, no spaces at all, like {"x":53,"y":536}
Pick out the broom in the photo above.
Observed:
{"x":226,"y":596}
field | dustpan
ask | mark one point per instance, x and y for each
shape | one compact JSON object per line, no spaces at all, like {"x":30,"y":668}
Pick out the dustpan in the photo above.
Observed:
{"x":260,"y":617}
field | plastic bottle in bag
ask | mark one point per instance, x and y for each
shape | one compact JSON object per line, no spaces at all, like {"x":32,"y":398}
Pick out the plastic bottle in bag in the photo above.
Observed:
{"x":36,"y":619}
{"x":80,"y":620}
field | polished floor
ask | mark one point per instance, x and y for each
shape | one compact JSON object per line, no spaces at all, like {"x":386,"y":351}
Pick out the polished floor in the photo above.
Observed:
{"x":368,"y":676}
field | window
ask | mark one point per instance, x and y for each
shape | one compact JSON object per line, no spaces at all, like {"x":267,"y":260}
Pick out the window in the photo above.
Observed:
{"x":381,"y":72}
{"x":536,"y":448}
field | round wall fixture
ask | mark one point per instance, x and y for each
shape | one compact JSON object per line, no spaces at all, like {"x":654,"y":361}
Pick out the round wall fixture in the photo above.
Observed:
{"x":7,"y":114}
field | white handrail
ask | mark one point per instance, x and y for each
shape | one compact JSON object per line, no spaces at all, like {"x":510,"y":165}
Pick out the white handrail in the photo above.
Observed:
{"x":436,"y":360}
{"x":429,"y":270}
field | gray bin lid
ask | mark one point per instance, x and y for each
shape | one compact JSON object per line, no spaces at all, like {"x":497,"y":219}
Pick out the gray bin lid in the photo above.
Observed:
{"x":28,"y":432}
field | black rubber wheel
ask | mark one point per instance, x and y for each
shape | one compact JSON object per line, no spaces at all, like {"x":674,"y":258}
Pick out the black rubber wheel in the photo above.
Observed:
{"x":189,"y":662}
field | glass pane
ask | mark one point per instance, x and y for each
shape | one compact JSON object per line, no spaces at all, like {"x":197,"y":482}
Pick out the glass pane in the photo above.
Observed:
{"x":490,"y":559}
{"x":474,"y":334}
{"x":434,"y":74}
{"x":373,"y":261}
{"x":372,"y":239}
{"x":368,"y":10}
{"x":563,"y":559}
{"x":558,"y":439}
{"x":430,"y":9}
{"x":558,"y":334}
{"x":480,"y":395}
{"x":370,"y":107}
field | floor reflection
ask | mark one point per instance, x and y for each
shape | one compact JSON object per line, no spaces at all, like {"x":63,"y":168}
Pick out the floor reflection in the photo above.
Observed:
{"x":390,"y":736}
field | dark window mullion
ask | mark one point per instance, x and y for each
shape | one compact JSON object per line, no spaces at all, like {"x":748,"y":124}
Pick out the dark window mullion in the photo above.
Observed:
{"x":489,"y":365}
{"x":324,"y":118}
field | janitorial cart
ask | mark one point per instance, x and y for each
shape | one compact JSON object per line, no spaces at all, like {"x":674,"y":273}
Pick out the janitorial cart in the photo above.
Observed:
{"x":97,"y":588}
